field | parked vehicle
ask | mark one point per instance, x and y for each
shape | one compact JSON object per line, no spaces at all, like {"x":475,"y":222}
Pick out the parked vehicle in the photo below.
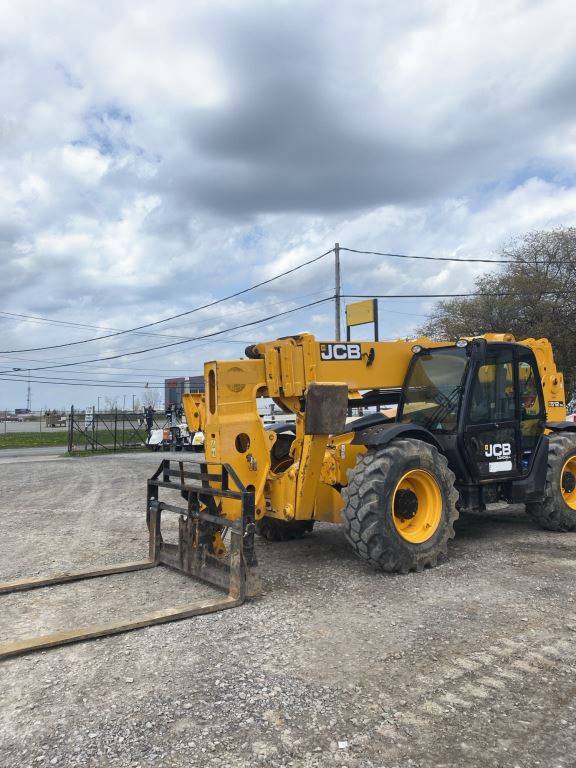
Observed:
{"x":179,"y":437}
{"x":55,"y":419}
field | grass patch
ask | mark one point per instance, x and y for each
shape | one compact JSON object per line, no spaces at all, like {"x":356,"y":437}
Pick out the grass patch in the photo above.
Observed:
{"x":103,"y":438}
{"x":33,"y":439}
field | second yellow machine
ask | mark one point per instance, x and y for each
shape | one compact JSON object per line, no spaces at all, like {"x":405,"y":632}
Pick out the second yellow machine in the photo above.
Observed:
{"x":474,"y":421}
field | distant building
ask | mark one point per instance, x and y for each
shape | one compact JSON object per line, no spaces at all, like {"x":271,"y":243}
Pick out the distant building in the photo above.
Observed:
{"x":22,"y":411}
{"x":175,"y":388}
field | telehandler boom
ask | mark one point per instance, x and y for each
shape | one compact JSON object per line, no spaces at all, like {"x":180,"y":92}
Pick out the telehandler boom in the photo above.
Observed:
{"x":468,"y":423}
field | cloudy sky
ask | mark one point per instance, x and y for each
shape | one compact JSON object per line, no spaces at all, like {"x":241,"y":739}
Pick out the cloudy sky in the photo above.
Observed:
{"x":155,"y":156}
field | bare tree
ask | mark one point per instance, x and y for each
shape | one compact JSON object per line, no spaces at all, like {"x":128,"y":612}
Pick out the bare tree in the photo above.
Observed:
{"x":531,"y":297}
{"x":151,"y":398}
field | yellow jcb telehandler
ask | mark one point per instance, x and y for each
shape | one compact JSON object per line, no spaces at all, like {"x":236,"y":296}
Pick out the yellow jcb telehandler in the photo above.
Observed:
{"x":467,"y":423}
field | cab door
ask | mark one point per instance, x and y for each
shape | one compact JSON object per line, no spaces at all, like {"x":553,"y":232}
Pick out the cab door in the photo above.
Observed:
{"x":492,"y":435}
{"x":531,"y":405}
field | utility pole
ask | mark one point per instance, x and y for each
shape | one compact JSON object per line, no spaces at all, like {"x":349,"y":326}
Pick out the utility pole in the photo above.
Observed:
{"x":337,"y":290}
{"x":28,"y":395}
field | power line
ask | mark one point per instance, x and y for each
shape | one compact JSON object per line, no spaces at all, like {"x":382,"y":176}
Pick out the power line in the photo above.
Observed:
{"x":206,"y":321}
{"x":177,"y":343}
{"x":406,"y":314}
{"x":157,"y":370}
{"x":185,"y":340}
{"x":171,"y":371}
{"x":243,"y":309}
{"x":137,"y":329}
{"x":92,"y":380}
{"x":17,"y":317}
{"x":90,"y":373}
{"x":119,"y":371}
{"x":172,"y":317}
{"x":82,"y":384}
{"x":201,"y":323}
{"x":494,"y":294}
{"x":123,"y":371}
{"x":453,"y":258}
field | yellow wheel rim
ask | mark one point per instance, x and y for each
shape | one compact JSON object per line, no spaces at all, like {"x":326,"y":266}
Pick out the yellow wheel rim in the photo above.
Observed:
{"x":568,"y":482}
{"x":417,"y":506}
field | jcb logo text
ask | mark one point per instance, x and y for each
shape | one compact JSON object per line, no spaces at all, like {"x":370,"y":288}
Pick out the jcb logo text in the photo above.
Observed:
{"x":340,"y":352}
{"x":498,"y":451}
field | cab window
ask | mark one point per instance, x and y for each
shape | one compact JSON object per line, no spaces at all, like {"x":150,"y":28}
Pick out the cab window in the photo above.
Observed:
{"x":433,"y":388}
{"x":493,"y":398}
{"x":530,"y":404}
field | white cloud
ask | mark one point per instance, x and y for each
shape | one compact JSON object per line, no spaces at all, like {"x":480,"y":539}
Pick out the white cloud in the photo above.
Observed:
{"x":156,"y":155}
{"x":86,"y":164}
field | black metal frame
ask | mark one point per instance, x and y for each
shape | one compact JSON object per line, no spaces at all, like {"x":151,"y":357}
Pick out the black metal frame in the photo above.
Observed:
{"x":193,"y":554}
{"x":125,"y":430}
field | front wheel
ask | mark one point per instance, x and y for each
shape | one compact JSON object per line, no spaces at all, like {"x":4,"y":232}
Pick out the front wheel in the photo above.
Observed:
{"x":400,"y":506}
{"x":557,"y":512}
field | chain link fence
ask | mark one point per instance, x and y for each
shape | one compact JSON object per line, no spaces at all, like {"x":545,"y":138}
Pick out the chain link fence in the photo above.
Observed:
{"x":112,"y":431}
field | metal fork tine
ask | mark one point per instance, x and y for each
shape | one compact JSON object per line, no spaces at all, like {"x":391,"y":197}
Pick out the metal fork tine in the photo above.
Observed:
{"x":35,"y":582}
{"x":66,"y":637}
{"x":190,"y":556}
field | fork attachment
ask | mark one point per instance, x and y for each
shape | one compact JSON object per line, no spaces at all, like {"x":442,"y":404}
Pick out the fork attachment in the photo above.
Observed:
{"x":200,"y":552}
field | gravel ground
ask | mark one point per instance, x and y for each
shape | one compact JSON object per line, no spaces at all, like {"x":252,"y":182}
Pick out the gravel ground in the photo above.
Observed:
{"x":471,"y":664}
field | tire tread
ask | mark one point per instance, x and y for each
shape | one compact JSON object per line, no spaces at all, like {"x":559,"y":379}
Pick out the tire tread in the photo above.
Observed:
{"x":367,"y":482}
{"x":553,"y":514}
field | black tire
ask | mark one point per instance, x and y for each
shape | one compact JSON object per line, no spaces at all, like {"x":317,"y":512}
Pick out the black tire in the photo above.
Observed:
{"x":280,"y":458}
{"x":554,"y":514}
{"x":369,"y":516}
{"x":272,"y":529}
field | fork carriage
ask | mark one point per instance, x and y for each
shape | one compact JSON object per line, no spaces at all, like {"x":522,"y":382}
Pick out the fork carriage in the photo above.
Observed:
{"x":212,"y":548}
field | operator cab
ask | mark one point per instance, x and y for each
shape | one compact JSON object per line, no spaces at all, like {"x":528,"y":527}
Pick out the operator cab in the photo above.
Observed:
{"x":483,"y":403}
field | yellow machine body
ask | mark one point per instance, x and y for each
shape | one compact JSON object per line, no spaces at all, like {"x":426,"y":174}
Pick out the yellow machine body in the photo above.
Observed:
{"x":245,"y":484}
{"x":307,"y":485}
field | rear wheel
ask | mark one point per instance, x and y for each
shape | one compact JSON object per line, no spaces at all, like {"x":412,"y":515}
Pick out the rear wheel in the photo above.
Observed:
{"x":280,"y":458}
{"x":272,"y":529}
{"x":400,"y":506}
{"x":558,"y":510}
